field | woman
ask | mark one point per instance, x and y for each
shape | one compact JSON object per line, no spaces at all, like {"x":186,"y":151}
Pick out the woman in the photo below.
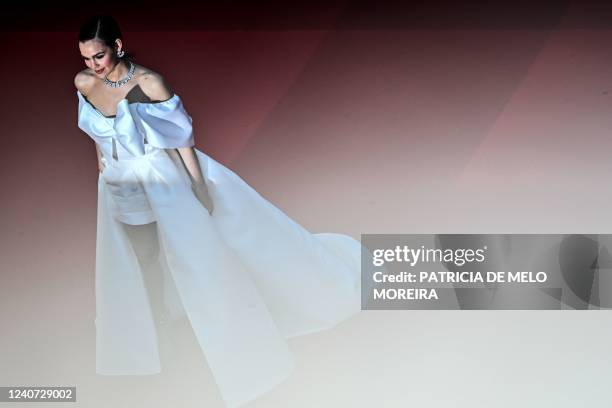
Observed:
{"x":179,"y":234}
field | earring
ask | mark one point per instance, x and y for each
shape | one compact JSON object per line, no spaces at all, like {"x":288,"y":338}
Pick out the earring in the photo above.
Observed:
{"x":121,"y":53}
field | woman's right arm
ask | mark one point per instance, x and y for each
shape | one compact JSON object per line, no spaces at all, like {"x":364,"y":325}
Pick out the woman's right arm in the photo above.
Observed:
{"x":82,"y":82}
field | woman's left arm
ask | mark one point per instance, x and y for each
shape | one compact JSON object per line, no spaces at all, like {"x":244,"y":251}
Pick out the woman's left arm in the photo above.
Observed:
{"x":156,"y":88}
{"x":190,"y":161}
{"x":192,"y":165}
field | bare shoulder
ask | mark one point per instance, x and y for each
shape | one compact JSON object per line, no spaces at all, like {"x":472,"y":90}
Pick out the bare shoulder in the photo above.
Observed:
{"x":83,"y":81}
{"x":153,"y":84}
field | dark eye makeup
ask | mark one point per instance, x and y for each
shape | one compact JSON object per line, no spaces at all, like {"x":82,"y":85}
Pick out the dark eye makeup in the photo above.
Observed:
{"x":98,"y":56}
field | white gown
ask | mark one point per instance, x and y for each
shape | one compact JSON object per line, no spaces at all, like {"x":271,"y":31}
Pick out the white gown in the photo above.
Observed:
{"x":247,"y":277}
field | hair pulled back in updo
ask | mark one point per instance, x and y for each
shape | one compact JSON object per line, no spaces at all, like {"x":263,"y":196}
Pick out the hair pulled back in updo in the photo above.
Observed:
{"x":104,"y":29}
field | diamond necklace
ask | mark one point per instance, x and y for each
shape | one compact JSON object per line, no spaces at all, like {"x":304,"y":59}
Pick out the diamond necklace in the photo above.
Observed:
{"x":123,"y":81}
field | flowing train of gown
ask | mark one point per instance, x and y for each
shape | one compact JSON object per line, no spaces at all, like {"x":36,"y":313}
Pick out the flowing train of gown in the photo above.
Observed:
{"x":247,"y":277}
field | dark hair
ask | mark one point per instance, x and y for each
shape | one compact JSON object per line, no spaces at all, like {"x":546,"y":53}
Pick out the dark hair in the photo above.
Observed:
{"x":104,"y":29}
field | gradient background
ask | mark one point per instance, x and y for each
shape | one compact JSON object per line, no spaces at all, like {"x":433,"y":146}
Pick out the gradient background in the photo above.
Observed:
{"x":353,"y":117}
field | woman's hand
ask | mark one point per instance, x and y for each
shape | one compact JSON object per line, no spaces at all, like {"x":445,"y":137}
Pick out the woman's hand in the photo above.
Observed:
{"x":101,"y":166}
{"x":201,"y":192}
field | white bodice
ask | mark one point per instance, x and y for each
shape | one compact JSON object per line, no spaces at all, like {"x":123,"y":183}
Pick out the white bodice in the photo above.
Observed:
{"x":138,"y":127}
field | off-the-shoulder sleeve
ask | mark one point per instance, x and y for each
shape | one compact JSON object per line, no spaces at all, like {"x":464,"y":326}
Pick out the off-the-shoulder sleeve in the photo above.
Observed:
{"x":166,"y":124}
